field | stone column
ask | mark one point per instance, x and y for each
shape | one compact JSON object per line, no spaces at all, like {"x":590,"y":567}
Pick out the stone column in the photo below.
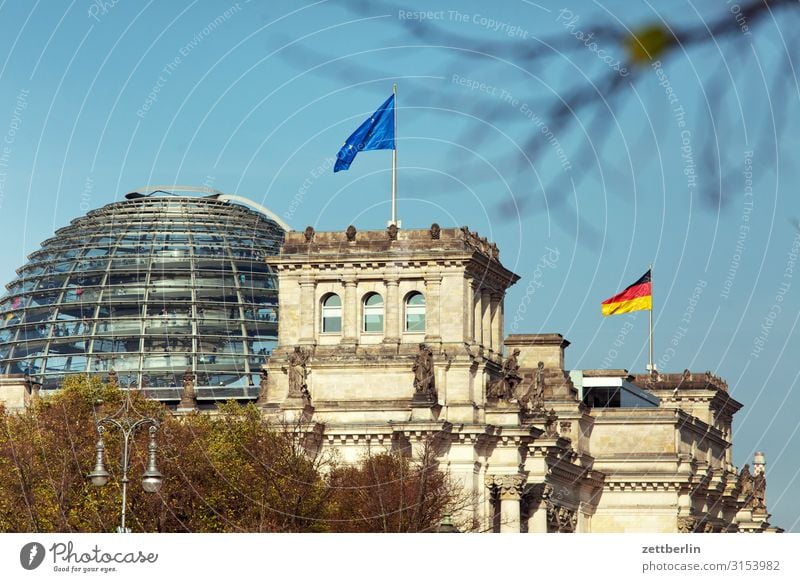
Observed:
{"x":433,"y":285}
{"x":477,"y":325}
{"x":350,"y":311}
{"x":391,"y":331}
{"x":486,"y":318}
{"x":509,"y":494}
{"x":469,"y":312}
{"x":308,"y":315}
{"x":537,"y":516}
{"x":497,"y":322}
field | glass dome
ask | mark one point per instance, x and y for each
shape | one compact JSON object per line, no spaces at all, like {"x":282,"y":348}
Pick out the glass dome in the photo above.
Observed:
{"x":148,"y":287}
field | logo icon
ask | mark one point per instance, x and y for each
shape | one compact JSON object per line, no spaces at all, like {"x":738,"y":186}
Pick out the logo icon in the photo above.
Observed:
{"x":31,"y":555}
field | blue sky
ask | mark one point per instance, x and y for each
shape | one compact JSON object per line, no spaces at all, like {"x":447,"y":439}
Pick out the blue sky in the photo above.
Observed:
{"x":98,"y":99}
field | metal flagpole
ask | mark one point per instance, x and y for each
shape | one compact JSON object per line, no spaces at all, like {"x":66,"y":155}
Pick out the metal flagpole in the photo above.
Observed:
{"x":394,"y":161}
{"x":651,"y":368}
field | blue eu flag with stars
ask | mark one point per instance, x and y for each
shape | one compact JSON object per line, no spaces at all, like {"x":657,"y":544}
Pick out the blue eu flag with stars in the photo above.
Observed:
{"x":376,"y":133}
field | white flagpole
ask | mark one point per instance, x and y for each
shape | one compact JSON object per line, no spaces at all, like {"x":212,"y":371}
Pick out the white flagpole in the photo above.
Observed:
{"x":650,"y":366}
{"x":394,"y":162}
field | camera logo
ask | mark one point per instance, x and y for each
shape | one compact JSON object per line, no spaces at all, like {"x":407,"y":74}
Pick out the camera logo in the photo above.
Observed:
{"x":31,"y":555}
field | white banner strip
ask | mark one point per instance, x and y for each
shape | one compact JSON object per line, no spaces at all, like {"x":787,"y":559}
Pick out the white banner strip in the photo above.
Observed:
{"x":399,"y":557}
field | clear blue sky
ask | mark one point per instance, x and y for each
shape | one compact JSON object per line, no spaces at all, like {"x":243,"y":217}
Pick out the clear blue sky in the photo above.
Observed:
{"x":255,"y":98}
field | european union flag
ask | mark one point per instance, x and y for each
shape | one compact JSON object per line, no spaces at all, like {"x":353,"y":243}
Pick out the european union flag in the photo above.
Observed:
{"x":376,"y":133}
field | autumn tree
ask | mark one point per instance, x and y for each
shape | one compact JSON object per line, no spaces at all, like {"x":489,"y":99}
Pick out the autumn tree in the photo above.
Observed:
{"x":391,"y":492}
{"x":227,"y":470}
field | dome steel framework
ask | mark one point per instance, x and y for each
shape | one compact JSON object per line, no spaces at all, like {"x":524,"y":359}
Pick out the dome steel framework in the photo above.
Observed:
{"x":149,"y":287}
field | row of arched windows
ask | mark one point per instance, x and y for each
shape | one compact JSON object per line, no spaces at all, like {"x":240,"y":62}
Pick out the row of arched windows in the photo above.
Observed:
{"x":372,"y":313}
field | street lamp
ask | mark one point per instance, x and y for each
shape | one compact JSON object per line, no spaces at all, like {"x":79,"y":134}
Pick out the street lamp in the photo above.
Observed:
{"x":151,"y":479}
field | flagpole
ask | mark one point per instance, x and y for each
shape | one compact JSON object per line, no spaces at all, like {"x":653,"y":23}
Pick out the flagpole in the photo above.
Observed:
{"x":394,"y":161}
{"x":650,"y":367}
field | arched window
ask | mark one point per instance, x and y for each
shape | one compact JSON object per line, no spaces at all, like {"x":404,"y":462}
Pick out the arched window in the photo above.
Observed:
{"x":332,"y":314}
{"x":373,"y":313}
{"x":415,"y":312}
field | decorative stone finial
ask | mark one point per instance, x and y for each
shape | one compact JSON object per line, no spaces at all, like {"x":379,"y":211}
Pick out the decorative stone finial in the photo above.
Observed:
{"x":436,"y":231}
{"x":351,"y":233}
{"x":392,"y":231}
{"x":309,"y":233}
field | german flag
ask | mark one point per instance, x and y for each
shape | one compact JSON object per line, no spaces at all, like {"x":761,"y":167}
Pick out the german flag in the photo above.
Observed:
{"x":636,"y":297}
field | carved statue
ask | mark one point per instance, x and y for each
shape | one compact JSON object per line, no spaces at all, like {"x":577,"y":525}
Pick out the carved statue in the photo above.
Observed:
{"x":511,"y":373}
{"x":505,"y":387}
{"x":550,"y":424}
{"x":759,"y":492}
{"x":309,"y":233}
{"x":423,"y":372}
{"x":392,"y":231}
{"x":262,"y":392}
{"x":536,"y":398}
{"x":351,"y":233}
{"x":298,"y":372}
{"x":745,"y":484}
{"x":436,"y":231}
{"x":188,"y":399}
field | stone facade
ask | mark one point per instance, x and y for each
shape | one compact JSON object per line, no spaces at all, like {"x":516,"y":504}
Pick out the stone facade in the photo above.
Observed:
{"x":393,"y":340}
{"x":508,"y":422}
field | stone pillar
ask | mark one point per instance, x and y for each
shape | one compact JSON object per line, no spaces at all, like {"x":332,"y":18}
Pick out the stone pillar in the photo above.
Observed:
{"x":477,"y":320}
{"x":433,"y":286}
{"x":391,"y":332}
{"x":350,"y":311}
{"x":486,"y":319}
{"x":469,"y":313}
{"x":308,"y":315}
{"x":497,"y":322}
{"x":509,"y":493}
{"x":537,"y":516}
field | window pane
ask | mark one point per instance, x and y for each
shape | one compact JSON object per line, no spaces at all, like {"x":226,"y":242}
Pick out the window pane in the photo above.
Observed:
{"x":332,"y":314}
{"x":415,"y":312}
{"x":373,"y":323}
{"x":415,"y":322}
{"x":331,"y":324}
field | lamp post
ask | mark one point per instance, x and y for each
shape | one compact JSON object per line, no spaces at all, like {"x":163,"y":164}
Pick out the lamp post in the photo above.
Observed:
{"x":151,"y":479}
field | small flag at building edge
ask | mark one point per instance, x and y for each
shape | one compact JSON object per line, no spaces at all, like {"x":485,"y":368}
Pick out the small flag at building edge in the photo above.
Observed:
{"x":636,"y":297}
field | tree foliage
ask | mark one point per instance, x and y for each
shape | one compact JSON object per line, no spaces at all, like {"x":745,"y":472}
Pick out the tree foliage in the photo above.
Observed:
{"x":228,"y":471}
{"x":390,"y":492}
